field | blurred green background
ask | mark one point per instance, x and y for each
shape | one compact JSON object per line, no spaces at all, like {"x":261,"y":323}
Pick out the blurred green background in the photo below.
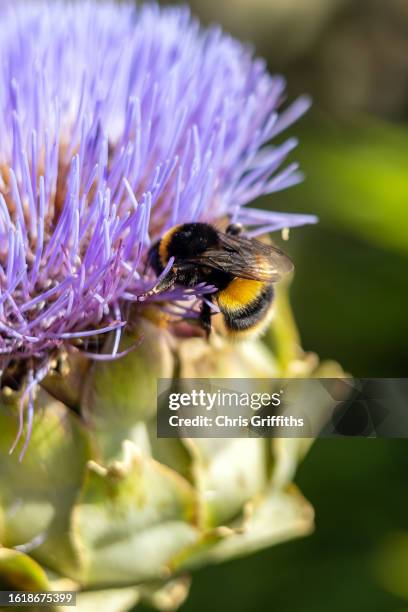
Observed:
{"x":350,"y":294}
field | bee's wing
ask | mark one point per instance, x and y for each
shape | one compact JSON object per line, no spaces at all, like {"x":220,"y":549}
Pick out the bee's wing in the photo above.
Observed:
{"x":246,"y":258}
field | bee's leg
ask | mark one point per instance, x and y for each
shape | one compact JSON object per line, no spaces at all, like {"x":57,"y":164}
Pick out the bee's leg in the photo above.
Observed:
{"x":205,"y":318}
{"x":166,"y":283}
{"x":234,"y":229}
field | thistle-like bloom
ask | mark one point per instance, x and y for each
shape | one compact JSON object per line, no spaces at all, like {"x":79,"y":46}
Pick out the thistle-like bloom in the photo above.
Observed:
{"x":117,"y":122}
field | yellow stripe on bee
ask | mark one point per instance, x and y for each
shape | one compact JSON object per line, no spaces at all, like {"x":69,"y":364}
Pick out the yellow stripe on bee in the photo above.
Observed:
{"x":240,"y":293}
{"x":164,"y":245}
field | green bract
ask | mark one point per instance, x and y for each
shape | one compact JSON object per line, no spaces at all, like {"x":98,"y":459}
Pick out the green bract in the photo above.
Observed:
{"x":101,"y":505}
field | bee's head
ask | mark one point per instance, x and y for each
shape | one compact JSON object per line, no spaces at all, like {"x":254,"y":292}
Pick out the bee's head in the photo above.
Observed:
{"x":187,"y":240}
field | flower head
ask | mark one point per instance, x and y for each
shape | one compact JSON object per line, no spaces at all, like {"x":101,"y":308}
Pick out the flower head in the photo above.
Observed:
{"x":118,"y":122}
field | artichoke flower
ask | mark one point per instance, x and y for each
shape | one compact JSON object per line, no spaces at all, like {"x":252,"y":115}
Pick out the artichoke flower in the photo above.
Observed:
{"x":102,"y":506}
{"x":118,"y":122}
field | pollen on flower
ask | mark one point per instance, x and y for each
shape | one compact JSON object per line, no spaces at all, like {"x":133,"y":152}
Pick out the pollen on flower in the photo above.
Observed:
{"x":101,"y":152}
{"x":285,"y":233}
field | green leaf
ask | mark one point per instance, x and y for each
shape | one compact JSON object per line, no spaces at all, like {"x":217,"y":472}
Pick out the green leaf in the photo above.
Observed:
{"x":109,"y":600}
{"x":120,"y":395}
{"x":132,"y":517}
{"x":168,"y":596}
{"x":19,"y":572}
{"x":38,"y":493}
{"x":277,"y":517}
{"x":222,"y":359}
{"x":228,"y":472}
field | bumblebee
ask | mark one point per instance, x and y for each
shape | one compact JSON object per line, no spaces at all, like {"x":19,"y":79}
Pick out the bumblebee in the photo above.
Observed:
{"x":243,"y":271}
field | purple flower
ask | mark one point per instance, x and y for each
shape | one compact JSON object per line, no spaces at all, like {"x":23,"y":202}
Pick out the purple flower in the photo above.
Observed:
{"x":116,"y":123}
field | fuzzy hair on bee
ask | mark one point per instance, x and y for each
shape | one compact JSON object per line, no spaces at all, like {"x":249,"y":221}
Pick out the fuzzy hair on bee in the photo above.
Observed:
{"x":243,"y":271}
